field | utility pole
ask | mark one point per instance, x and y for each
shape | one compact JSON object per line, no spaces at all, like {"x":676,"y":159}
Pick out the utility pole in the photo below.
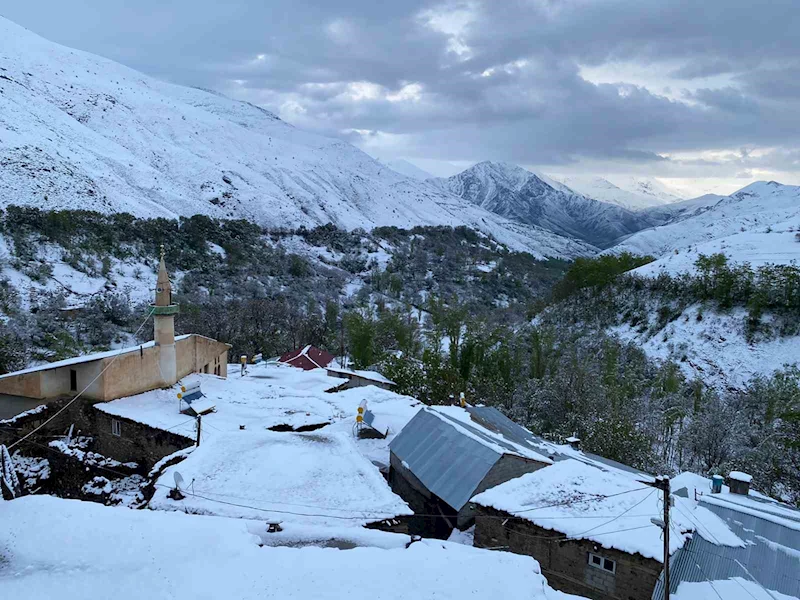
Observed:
{"x":662,"y":483}
{"x":199,"y":427}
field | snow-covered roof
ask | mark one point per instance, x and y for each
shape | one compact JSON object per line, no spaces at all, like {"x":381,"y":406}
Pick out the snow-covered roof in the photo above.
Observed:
{"x":328,"y":471}
{"x":735,"y":588}
{"x":370,"y":375}
{"x":769,"y":552}
{"x":739,"y":476}
{"x":610,"y":507}
{"x":86,"y":358}
{"x":71,"y":550}
{"x":451,"y":454}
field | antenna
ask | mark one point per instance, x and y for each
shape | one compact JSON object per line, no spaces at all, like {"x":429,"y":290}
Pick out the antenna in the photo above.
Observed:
{"x":178,"y":480}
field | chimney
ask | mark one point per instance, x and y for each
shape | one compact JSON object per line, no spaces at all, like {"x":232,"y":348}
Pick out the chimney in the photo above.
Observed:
{"x":574,"y":442}
{"x":739,"y":482}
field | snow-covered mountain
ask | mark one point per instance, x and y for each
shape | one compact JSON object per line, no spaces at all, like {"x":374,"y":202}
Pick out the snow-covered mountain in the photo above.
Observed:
{"x":757,"y":224}
{"x":516,"y":193}
{"x":644,"y":193}
{"x":408,"y":169}
{"x":648,"y":187}
{"x":80,"y":131}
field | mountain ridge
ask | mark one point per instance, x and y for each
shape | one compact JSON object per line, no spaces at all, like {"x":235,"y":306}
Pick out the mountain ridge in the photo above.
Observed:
{"x":519,"y":194}
{"x":81,"y":131}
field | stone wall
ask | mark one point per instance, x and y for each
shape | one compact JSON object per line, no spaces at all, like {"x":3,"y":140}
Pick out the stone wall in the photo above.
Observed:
{"x":433,"y":517}
{"x":137,"y":442}
{"x":565,"y":564}
{"x":507,"y":468}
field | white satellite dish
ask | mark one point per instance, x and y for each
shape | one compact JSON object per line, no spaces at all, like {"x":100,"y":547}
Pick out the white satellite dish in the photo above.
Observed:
{"x":178,"y":480}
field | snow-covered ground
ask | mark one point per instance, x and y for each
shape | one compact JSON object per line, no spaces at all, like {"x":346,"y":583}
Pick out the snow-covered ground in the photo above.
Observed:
{"x":714,"y":348}
{"x":83,"y":132}
{"x":72,"y":550}
{"x":755,"y":224}
{"x":129,"y":278}
{"x":327,"y":476}
{"x":776,"y":244}
{"x":638,"y":193}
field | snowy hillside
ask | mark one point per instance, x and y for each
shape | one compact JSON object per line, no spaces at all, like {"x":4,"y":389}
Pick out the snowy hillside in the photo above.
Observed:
{"x":80,"y":131}
{"x":648,"y":187}
{"x":643,"y":193}
{"x":408,"y":169}
{"x":513,"y":192}
{"x":757,"y":224}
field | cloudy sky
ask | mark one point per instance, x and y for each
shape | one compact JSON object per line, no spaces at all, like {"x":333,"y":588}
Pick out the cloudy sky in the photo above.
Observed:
{"x":702,"y":94}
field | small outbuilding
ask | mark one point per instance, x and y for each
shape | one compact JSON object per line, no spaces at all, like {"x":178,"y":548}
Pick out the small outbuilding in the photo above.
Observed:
{"x":307,"y":358}
{"x":445,"y":455}
{"x":354,"y":379}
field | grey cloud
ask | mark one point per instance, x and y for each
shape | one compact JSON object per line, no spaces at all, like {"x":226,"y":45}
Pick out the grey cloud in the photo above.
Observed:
{"x":515,"y":94}
{"x":702,"y":68}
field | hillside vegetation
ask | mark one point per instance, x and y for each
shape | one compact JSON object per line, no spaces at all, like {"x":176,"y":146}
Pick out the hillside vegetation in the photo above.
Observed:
{"x":439,"y":310}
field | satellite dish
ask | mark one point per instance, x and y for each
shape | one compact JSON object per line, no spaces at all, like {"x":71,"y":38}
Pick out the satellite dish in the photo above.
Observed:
{"x":178,"y":480}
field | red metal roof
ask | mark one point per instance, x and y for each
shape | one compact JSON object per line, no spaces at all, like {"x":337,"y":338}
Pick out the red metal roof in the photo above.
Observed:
{"x":307,"y":358}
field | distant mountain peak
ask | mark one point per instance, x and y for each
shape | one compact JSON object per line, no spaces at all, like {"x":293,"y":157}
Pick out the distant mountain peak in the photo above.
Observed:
{"x":516,"y":193}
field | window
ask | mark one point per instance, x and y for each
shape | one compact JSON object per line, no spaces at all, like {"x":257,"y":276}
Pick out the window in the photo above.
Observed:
{"x":116,"y":427}
{"x":600,"y":562}
{"x":73,"y":380}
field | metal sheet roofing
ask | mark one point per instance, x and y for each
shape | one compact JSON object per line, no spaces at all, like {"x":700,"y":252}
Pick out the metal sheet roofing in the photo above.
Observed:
{"x":771,"y":556}
{"x":493,"y":419}
{"x":448,"y":462}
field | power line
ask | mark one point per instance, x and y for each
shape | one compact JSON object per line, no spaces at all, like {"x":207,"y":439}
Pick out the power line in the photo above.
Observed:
{"x":68,"y":404}
{"x":618,"y":516}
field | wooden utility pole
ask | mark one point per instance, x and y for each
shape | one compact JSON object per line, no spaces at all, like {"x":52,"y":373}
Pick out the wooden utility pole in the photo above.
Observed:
{"x":662,"y":483}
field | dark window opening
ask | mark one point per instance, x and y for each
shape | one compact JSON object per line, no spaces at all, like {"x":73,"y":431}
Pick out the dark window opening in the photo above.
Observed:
{"x":73,"y":380}
{"x":600,"y":562}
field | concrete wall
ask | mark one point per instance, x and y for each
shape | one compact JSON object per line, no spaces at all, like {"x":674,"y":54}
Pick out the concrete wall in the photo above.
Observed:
{"x":565,"y":564}
{"x":27,"y":385}
{"x":131,"y":373}
{"x":210,"y":353}
{"x":52,"y":383}
{"x":127,"y":374}
{"x":507,"y":468}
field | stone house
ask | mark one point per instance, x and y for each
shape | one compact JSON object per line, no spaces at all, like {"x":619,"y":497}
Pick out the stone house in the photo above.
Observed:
{"x":444,"y":456}
{"x":587,"y":523}
{"x":354,"y":379}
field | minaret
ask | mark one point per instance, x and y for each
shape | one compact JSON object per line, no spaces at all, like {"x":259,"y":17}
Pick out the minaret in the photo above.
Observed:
{"x":164,"y":312}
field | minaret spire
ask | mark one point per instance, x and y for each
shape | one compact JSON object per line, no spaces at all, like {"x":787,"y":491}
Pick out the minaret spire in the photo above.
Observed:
{"x":164,"y":312}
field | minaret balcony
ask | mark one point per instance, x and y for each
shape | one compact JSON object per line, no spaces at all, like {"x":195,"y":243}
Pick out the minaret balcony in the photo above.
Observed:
{"x":170,"y":309}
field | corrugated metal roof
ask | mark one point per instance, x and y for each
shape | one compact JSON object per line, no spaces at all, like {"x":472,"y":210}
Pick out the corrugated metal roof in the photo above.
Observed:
{"x":771,"y":555}
{"x":493,"y":419}
{"x":448,"y":462}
